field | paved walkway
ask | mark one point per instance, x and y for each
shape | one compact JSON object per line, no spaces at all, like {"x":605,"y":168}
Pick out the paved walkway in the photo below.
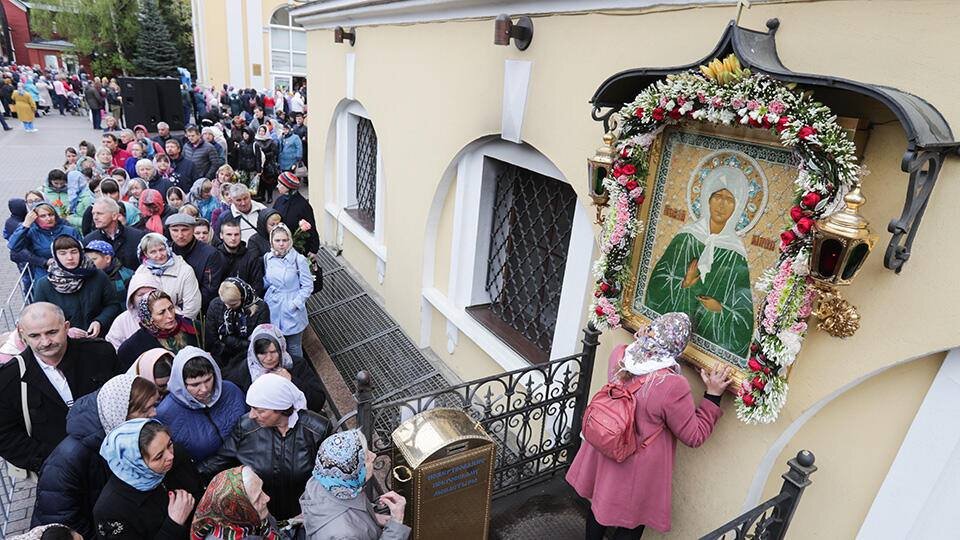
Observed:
{"x":25,"y":159}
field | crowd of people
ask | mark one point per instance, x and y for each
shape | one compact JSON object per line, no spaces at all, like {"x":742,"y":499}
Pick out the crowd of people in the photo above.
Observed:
{"x":156,"y":384}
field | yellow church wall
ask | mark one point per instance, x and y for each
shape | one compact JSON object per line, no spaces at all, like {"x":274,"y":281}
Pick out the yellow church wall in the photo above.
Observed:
{"x":431,"y":89}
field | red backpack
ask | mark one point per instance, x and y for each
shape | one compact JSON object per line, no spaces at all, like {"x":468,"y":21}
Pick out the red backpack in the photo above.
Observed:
{"x":609,"y":423}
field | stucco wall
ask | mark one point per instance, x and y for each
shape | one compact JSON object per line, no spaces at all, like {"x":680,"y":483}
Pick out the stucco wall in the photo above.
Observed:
{"x":216,"y":46}
{"x":431,"y":89}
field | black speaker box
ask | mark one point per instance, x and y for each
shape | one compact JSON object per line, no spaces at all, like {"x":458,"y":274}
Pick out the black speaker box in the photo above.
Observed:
{"x":148,"y":101}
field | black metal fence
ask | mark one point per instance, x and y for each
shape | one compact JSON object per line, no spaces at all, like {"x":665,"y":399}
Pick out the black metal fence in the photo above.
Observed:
{"x":771,"y":519}
{"x":533,"y":413}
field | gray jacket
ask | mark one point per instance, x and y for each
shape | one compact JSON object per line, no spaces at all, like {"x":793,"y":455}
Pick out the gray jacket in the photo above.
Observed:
{"x":205,"y":159}
{"x":326,"y":517}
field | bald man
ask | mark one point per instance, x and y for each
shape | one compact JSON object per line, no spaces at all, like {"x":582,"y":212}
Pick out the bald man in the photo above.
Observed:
{"x":58,"y":370}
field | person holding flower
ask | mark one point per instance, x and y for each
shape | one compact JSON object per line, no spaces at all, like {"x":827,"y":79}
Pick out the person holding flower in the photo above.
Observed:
{"x":289,"y":285}
{"x":296,"y":212}
{"x":637,"y":491}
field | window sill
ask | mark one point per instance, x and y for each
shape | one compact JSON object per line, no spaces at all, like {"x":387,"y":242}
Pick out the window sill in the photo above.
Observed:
{"x":506,"y":333}
{"x":358,"y":230}
{"x":490,"y":343}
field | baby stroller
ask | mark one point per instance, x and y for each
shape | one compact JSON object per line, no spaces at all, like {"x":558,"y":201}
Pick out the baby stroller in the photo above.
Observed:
{"x":74,"y":104}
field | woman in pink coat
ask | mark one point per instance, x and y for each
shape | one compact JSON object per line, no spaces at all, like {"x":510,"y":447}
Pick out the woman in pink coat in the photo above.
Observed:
{"x":638,"y":492}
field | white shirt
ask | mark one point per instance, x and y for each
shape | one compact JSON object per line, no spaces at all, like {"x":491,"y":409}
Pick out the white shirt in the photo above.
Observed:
{"x":59,"y":382}
{"x":248,"y":221}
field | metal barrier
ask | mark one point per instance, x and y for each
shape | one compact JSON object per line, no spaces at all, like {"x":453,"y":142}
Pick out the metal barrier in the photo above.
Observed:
{"x":14,"y":304}
{"x":7,"y":487}
{"x":534,"y":413}
{"x":771,"y":519}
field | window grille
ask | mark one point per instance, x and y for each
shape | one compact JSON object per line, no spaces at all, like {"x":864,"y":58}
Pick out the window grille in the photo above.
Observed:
{"x":366,"y":208}
{"x":529,"y":238}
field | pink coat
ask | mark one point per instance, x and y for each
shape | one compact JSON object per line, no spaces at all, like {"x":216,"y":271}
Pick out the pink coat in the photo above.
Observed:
{"x":639,"y":490}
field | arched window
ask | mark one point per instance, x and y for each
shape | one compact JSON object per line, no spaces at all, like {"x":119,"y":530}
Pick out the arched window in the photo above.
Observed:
{"x":288,"y":49}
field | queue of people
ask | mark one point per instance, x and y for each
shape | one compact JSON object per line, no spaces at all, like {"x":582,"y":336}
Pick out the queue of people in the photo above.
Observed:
{"x":178,"y":401}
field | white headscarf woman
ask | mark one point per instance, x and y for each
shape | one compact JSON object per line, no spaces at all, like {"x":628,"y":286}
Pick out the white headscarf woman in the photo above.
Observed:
{"x":732,"y":180}
{"x":274,"y":392}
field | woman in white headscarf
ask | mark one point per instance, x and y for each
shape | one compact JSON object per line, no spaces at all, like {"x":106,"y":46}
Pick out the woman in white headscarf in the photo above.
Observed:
{"x":278,"y":440}
{"x":704,"y":271}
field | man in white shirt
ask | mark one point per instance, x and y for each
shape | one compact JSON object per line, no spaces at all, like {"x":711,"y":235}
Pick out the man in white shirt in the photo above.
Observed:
{"x":57,"y":370}
{"x":245,"y":210}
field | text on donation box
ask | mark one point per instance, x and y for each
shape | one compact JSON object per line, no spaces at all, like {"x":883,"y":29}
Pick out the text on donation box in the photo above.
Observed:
{"x":451,"y":479}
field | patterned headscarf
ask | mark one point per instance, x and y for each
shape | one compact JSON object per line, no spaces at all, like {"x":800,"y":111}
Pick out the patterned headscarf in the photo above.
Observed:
{"x":121,"y":450}
{"x":235,"y":320}
{"x":341,"y":466}
{"x":151,"y":205}
{"x":113,"y":401}
{"x":659,"y":345}
{"x":155,"y":268}
{"x":271,"y":332}
{"x":226,"y":512}
{"x":63,"y":279}
{"x":146,"y":319}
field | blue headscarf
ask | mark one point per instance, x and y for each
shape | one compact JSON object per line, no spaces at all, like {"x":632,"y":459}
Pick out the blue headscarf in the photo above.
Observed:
{"x":121,"y":449}
{"x":177,"y":386}
{"x":341,"y":466}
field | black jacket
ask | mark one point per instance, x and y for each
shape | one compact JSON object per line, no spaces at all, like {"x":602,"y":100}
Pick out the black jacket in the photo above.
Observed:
{"x":246,"y":158}
{"x":207,"y":266}
{"x":140,"y":342}
{"x":232,"y":348}
{"x":205,"y":159}
{"x":302,"y":375}
{"x":86,"y":364}
{"x":124,"y":244}
{"x":183,"y":168}
{"x":292,"y":207}
{"x":260,"y":242}
{"x":74,"y":474}
{"x":266,"y":153}
{"x":160,"y":184}
{"x":246,"y":264}
{"x":284,"y":463}
{"x":97,"y":300}
{"x":123,"y":513}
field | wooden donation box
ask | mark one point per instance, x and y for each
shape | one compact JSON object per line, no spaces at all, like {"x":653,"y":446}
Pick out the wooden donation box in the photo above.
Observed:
{"x":444,"y":464}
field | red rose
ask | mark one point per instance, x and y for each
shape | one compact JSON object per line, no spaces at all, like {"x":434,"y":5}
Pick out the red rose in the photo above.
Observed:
{"x":675,"y":114}
{"x":754,"y":347}
{"x":806,"y":132}
{"x":617,"y":172}
{"x":597,"y":294}
{"x":754,"y":364}
{"x":605,"y":287}
{"x":766,"y":123}
{"x":796,"y":213}
{"x":758,"y":383}
{"x":625,"y":153}
{"x":787,"y":238}
{"x":658,"y":114}
{"x":598,"y":310}
{"x":638,"y":112}
{"x":632,"y":185}
{"x":753,"y":123}
{"x":811,"y":199}
{"x":748,"y":400}
{"x":639,"y":199}
{"x":804,"y":225}
{"x":767,"y":370}
{"x":782,"y":124}
{"x":629,"y":169}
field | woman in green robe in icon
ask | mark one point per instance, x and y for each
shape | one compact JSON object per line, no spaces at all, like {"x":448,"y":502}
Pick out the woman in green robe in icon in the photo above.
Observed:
{"x":704,"y":271}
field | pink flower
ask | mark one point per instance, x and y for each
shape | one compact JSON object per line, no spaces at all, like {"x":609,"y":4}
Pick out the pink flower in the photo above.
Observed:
{"x":613,"y":320}
{"x":701,"y":97}
{"x":304,"y":225}
{"x":777,"y":107}
{"x":753,"y":105}
{"x":736,"y":103}
{"x":716,"y":101}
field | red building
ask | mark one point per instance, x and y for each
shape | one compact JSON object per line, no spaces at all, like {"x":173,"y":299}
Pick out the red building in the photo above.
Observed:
{"x":18,"y":44}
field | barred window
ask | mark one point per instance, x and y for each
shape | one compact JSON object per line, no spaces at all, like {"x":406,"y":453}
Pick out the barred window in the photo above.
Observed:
{"x":529,"y":239}
{"x":365,"y":210}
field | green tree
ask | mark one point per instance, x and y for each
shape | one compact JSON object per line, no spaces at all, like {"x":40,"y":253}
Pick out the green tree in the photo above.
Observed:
{"x":178,"y":16}
{"x":102,"y":30}
{"x":156,"y":54}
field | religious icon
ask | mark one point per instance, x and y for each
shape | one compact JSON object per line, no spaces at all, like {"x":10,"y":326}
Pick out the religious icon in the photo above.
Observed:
{"x":718,"y":198}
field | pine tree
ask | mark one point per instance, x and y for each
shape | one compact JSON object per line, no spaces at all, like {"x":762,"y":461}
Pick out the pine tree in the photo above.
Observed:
{"x":156,"y":55}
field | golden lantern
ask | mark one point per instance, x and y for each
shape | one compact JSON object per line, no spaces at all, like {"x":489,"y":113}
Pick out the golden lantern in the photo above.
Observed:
{"x":599,"y":168}
{"x":841,"y":244}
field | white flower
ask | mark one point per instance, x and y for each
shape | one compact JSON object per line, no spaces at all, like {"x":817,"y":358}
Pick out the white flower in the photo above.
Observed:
{"x":726,"y":116}
{"x":791,"y":346}
{"x":697,"y":114}
{"x":801,"y":263}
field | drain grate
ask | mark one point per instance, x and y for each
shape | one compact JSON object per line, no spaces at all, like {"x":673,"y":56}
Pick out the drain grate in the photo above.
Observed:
{"x":359,"y":335}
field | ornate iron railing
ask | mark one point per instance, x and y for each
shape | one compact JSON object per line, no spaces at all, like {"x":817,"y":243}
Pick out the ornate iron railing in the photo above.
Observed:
{"x":770,"y":519}
{"x":534,"y":413}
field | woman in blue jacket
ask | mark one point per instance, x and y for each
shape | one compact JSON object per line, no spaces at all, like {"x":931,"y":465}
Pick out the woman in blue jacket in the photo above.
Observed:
{"x":36,"y":234}
{"x":291,"y":149}
{"x":289,"y":284}
{"x":201,"y":409}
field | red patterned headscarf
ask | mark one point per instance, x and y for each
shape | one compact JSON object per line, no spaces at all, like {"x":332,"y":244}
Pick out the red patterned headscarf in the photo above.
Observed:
{"x":151,"y":207}
{"x":226,"y":512}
